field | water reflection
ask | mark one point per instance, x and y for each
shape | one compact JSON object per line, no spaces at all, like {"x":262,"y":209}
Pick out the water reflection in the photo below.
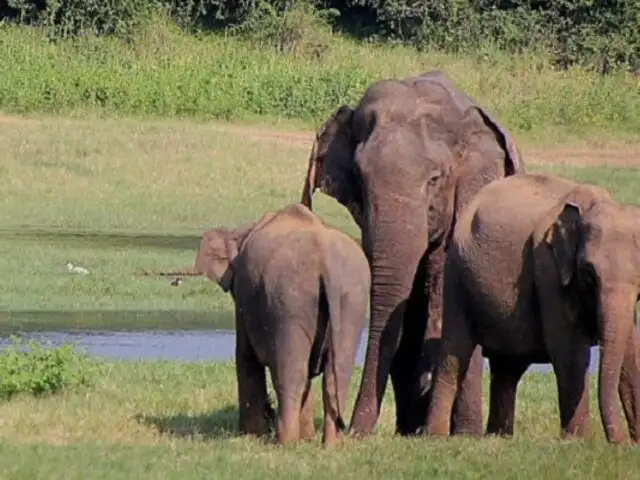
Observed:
{"x":182,"y":345}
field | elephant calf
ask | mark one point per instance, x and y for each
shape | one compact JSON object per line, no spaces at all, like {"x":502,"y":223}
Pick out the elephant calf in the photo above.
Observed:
{"x":539,"y":269}
{"x":300,"y":290}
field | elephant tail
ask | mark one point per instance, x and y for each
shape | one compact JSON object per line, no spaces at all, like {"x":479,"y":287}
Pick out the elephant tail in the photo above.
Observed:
{"x":333,"y":294}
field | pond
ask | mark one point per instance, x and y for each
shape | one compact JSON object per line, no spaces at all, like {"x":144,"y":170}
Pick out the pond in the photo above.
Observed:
{"x":174,"y":335}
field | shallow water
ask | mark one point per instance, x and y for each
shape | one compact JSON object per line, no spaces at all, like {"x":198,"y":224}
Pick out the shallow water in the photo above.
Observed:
{"x":182,"y":345}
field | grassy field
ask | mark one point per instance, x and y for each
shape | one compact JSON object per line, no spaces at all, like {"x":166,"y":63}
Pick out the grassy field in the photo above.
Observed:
{"x":120,"y":195}
{"x":160,"y":420}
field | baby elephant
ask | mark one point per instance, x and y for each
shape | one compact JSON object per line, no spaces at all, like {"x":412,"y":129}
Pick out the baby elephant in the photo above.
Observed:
{"x":300,"y":290}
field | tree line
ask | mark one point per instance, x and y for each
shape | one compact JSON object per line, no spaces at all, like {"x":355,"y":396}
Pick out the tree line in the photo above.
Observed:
{"x":600,"y":34}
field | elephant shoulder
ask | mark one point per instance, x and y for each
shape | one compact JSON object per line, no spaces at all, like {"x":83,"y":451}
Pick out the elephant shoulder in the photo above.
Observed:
{"x":297,"y":216}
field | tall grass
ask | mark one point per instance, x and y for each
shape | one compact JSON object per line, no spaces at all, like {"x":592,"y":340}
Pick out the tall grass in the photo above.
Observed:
{"x":163,"y":71}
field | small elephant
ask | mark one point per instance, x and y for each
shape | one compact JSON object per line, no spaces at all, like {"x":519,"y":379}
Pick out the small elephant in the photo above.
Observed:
{"x":539,"y":269}
{"x":300,"y":289}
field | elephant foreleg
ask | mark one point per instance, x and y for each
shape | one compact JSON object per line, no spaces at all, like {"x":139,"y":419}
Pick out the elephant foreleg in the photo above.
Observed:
{"x":629,"y":387}
{"x":569,"y":351}
{"x":412,"y":358}
{"x":467,"y":415}
{"x":452,"y":371}
{"x":506,"y":372}
{"x":467,"y":409}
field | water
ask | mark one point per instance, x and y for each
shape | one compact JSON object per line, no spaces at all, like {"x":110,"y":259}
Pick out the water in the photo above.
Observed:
{"x":182,"y":345}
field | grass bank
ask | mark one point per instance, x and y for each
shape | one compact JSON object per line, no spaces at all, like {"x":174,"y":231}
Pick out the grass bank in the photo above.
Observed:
{"x":172,"y":420}
{"x":120,"y":196}
{"x":163,"y":71}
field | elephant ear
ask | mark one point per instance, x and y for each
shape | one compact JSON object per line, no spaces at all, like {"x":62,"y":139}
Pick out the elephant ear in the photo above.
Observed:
{"x":223,"y":249}
{"x":513,"y":162}
{"x":331,"y":158}
{"x":564,"y":238}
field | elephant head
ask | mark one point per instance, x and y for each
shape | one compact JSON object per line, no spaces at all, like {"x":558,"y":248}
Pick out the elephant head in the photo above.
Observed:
{"x":401,"y":162}
{"x":595,"y":244}
{"x":218,"y":249}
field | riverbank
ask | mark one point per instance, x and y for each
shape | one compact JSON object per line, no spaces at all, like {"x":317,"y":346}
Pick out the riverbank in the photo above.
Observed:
{"x":175,"y":420}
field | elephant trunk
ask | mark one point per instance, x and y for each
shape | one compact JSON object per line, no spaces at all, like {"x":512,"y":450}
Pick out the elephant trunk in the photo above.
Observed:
{"x":394,"y":253}
{"x":310,"y":180}
{"x":616,"y":325}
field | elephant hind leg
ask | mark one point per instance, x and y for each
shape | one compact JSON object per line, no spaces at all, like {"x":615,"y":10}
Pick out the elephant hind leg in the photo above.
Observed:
{"x":255,"y":412}
{"x":289,"y":404}
{"x":307,"y":427}
{"x":291,"y":382}
{"x":506,"y":372}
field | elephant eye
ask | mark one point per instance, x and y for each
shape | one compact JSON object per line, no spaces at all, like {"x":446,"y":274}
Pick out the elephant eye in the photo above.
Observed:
{"x":434,"y":179}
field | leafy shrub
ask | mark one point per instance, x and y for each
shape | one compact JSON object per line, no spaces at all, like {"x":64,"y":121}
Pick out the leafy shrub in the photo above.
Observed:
{"x":598,"y":33}
{"x":32,"y":368}
{"x":299,"y":29}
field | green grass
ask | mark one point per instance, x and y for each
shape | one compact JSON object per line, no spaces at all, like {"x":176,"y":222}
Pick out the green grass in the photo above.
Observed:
{"x":139,"y":195}
{"x":165,"y":72}
{"x":162,"y":420}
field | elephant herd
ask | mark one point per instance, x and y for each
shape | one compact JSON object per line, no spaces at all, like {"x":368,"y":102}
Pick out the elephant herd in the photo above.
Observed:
{"x":462,"y":255}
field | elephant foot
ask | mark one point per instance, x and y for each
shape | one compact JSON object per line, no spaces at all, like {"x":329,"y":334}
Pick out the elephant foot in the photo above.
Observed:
{"x":331,"y":434}
{"x":362,"y":425}
{"x":307,"y":431}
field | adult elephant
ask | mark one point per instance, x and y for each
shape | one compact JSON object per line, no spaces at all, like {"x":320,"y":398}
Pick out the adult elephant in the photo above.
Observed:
{"x":404,"y":163}
{"x":564,"y":275}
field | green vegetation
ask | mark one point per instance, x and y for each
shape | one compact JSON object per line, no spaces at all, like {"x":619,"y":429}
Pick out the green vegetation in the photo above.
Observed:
{"x":173,"y":420}
{"x":602,"y":35}
{"x":33,"y":369}
{"x":294,"y":68}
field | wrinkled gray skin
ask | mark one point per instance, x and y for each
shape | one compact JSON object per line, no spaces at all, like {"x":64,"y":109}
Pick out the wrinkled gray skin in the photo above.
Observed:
{"x":404,"y":162}
{"x":539,"y":269}
{"x":300,"y":290}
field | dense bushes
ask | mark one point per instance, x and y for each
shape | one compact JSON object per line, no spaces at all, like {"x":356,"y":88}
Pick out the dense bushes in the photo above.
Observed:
{"x":163,"y":71}
{"x":598,"y":33}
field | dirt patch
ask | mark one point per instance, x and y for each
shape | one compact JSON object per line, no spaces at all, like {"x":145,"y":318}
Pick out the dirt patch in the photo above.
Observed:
{"x":16,"y":120}
{"x":289,"y":139}
{"x":300,"y":139}
{"x":624,"y":156}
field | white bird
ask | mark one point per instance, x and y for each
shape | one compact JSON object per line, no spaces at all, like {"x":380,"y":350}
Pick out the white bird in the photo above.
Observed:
{"x":74,"y":269}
